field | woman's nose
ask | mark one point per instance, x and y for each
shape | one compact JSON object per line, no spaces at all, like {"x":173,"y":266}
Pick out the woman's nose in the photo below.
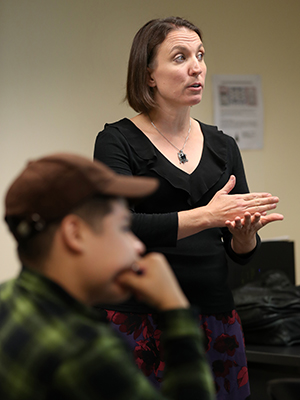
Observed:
{"x":196,"y":67}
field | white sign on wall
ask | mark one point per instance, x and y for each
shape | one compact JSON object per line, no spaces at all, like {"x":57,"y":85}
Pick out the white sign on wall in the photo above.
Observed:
{"x":238,"y":108}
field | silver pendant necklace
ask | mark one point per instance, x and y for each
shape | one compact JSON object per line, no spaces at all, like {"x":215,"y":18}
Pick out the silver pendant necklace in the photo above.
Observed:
{"x":181,"y":155}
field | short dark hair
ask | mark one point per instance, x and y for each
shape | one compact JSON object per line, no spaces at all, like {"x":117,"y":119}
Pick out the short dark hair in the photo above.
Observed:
{"x":36,"y":248}
{"x":143,"y":51}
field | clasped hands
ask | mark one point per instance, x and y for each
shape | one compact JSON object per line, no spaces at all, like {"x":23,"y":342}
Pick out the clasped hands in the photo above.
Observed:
{"x":243,"y":214}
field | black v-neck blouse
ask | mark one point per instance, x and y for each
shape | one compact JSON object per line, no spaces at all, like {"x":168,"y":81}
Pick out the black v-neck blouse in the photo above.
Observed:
{"x":199,"y":261}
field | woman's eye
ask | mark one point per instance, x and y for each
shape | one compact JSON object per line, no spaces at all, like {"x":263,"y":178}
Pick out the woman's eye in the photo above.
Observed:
{"x":179,"y":58}
{"x":200,"y":56}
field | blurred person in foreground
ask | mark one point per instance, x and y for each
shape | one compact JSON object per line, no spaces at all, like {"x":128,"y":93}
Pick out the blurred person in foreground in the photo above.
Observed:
{"x":72,"y":225}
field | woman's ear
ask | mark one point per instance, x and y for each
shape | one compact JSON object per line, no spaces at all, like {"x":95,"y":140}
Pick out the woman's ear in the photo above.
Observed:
{"x":72,"y":231}
{"x":150,"y":79}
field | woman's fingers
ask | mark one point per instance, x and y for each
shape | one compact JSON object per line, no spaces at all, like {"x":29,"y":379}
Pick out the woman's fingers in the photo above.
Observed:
{"x":225,"y":206}
{"x":227,"y":188}
{"x":257,"y":202}
{"x":258,"y":199}
{"x":250,"y":224}
{"x":271,"y":218}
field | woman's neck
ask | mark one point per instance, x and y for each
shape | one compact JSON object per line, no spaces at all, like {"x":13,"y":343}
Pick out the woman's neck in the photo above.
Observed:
{"x":169,"y":121}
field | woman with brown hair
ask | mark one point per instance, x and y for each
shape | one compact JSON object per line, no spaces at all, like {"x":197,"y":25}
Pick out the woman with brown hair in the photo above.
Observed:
{"x":202,"y":209}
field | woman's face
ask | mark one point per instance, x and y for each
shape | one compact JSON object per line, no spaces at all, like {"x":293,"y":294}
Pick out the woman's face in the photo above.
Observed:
{"x":178,"y":71}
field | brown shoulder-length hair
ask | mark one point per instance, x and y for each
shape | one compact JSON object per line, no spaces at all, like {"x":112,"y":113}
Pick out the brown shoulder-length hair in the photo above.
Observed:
{"x":143,"y":51}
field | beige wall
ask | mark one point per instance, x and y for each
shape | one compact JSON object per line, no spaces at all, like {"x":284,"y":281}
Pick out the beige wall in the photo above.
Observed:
{"x":62,"y":76}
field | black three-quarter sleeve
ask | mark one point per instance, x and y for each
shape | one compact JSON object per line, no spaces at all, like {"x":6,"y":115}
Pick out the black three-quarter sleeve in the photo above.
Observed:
{"x":113,"y":149}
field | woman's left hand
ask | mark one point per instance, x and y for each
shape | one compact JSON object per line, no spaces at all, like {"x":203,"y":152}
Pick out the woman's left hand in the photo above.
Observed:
{"x":244,"y":230}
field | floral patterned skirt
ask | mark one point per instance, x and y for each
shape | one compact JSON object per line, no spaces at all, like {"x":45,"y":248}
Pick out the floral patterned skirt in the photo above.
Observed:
{"x":225,"y":349}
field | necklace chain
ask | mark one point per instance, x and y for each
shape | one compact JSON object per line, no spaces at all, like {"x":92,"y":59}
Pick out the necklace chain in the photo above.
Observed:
{"x":181,"y":155}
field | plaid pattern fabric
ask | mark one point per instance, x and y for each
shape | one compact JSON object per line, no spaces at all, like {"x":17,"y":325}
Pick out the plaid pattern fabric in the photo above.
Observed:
{"x":53,"y":347}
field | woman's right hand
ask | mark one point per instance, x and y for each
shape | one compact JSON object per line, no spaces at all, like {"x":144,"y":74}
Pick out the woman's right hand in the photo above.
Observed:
{"x":224,"y":206}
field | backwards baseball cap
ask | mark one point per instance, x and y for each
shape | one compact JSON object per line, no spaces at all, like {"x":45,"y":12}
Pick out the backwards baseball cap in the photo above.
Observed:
{"x":50,"y":187}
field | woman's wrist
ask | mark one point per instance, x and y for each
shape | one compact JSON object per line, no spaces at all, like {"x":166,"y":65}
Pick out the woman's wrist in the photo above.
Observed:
{"x":243,"y":246}
{"x":193,"y":221}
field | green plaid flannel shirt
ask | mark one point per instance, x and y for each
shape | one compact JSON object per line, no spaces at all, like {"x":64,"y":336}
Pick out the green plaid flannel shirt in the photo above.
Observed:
{"x":53,"y":347}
